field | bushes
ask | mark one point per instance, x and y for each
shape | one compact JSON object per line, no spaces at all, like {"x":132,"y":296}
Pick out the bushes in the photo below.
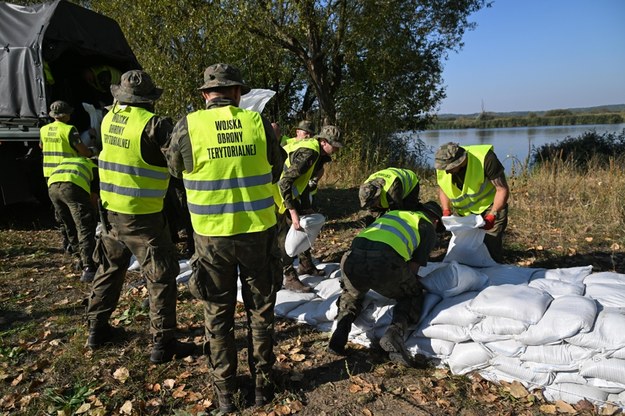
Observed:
{"x":601,"y":149}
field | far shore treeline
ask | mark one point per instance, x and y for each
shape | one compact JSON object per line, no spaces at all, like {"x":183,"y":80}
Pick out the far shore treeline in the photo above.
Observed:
{"x":562,"y":117}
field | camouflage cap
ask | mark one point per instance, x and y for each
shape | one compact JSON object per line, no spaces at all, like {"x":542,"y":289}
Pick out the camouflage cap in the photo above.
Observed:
{"x":136,"y":87}
{"x":435,"y":210}
{"x":369,"y":193}
{"x":60,"y":108}
{"x":449,"y":156}
{"x":331,"y":134}
{"x":307,"y":126}
{"x":223,"y":75}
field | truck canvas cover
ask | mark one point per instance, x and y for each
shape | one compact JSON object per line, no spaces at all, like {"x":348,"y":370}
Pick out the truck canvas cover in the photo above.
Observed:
{"x":63,"y":35}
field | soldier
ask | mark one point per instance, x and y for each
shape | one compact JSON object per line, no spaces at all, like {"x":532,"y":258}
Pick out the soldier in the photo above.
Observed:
{"x":386,"y":257}
{"x":60,"y":140}
{"x":390,"y":189}
{"x":472,"y":180}
{"x":303,"y":157}
{"x":133,"y":183}
{"x":229,"y":159}
{"x":72,"y":187}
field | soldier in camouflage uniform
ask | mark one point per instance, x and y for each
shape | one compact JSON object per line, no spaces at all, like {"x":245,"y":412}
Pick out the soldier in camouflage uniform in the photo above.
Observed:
{"x":390,"y":189}
{"x":230,"y":160}
{"x":386,"y":257}
{"x":303,"y":158}
{"x":133,"y":183}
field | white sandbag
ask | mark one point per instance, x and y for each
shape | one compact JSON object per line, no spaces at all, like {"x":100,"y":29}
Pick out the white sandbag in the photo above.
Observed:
{"x":560,"y":357}
{"x":466,"y":245}
{"x":607,"y":333}
{"x":184,"y":276}
{"x":508,"y":348}
{"x":566,"y":316}
{"x":430,"y":300}
{"x":503,"y":274}
{"x":453,"y":333}
{"x":573,"y":393}
{"x":287,"y":300}
{"x":374,"y":320}
{"x":515,"y":369}
{"x":467,"y":357}
{"x":605,"y":385}
{"x":557,"y":288}
{"x":326,"y":310}
{"x":518,"y":302}
{"x":610,"y":369}
{"x":605,"y":277}
{"x":256,"y":99}
{"x":298,"y":241}
{"x":453,"y":280}
{"x":306,"y":312}
{"x":336,"y":274}
{"x":328,"y":287}
{"x":573,"y":275}
{"x":608,"y":295}
{"x":495,"y":328}
{"x":454,"y":311}
{"x":620,"y":353}
{"x":95,"y":122}
{"x":430,"y":347}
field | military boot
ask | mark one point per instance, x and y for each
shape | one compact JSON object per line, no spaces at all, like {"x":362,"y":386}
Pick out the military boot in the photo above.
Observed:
{"x":224,"y":401}
{"x":101,"y":334}
{"x":292,"y":283}
{"x":263,"y":390}
{"x":340,"y":335}
{"x":393,"y":342}
{"x":164,"y":351}
{"x":306,"y":265}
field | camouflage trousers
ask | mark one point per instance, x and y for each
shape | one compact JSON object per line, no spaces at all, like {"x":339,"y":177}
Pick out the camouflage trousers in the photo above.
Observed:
{"x":147,"y":237}
{"x":73,"y":208}
{"x":387,"y":273}
{"x":493,"y":239}
{"x":218,"y":264}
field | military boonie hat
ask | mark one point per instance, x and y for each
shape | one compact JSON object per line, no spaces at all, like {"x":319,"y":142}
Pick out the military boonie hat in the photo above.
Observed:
{"x":369,"y":193}
{"x":307,"y":126}
{"x":434,"y":209}
{"x":136,"y":87}
{"x":223,"y":75}
{"x":331,"y":134}
{"x":449,"y":156}
{"x":60,"y":108}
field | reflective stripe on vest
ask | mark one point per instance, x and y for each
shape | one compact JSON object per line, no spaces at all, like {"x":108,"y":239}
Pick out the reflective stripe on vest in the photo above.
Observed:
{"x":300,"y":184}
{"x":128,"y":184}
{"x":56,"y":146}
{"x":229,"y":191}
{"x":77,"y":170}
{"x":407,"y":178}
{"x":397,"y":229}
{"x":477,"y":193}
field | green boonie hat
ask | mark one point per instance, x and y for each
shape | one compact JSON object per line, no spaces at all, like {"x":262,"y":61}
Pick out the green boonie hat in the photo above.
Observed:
{"x":449,"y":156}
{"x":223,"y":75}
{"x":331,"y":134}
{"x":369,"y":192}
{"x":136,"y":87}
{"x":60,"y":108}
{"x":307,"y":126}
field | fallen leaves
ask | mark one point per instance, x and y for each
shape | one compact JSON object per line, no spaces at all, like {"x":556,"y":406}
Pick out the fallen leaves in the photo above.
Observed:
{"x":121,"y":374}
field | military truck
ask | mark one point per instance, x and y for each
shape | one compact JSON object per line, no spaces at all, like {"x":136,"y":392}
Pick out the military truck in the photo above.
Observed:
{"x":51,"y":51}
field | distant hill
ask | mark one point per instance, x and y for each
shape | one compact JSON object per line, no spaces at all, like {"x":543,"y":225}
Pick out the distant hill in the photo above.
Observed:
{"x":597,"y":109}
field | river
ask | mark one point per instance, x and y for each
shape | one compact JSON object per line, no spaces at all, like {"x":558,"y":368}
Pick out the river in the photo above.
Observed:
{"x":512,"y":145}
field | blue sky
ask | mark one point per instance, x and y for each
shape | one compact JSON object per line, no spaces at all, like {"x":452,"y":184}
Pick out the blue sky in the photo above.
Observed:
{"x":529,"y":55}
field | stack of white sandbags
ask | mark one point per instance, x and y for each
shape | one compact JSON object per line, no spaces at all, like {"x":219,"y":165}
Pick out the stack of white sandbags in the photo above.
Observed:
{"x":561,"y":330}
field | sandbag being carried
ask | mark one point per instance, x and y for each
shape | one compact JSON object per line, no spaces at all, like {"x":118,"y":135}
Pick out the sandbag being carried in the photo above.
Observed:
{"x":299,"y":241}
{"x":467,"y":241}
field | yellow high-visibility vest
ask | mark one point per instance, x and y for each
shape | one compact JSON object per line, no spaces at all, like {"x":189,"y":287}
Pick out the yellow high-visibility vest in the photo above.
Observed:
{"x":398,"y":229}
{"x":300,"y":184}
{"x":77,"y":170}
{"x":407,"y":178}
{"x":229,"y":191}
{"x":477,"y":192}
{"x":128,"y":184}
{"x":56,"y":146}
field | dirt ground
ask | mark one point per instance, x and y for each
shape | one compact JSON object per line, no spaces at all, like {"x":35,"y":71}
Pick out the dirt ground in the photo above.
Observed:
{"x":45,"y":369}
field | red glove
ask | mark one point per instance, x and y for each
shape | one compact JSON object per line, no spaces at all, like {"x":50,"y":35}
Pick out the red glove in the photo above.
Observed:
{"x":489,"y":221}
{"x":446,"y":213}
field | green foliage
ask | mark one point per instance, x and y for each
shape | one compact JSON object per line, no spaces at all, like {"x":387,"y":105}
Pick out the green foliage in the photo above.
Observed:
{"x":531,"y":120}
{"x":10,"y":354}
{"x":67,"y":400}
{"x":590,"y":147}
